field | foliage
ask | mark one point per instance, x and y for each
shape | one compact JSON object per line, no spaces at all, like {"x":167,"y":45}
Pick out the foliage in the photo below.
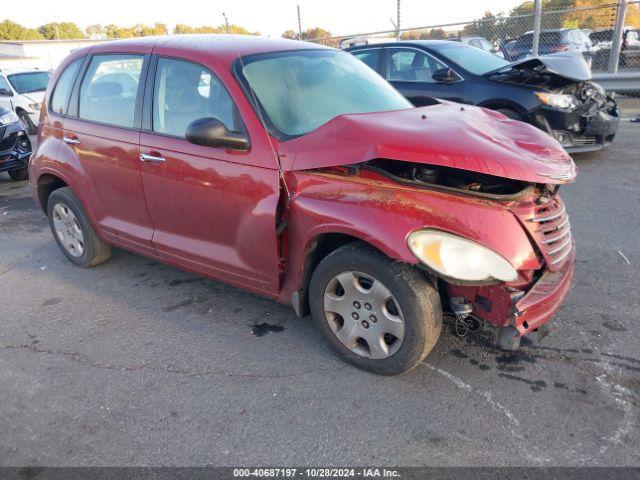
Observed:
{"x":58,"y":31}
{"x":13,"y":31}
{"x":138,"y":30}
{"x":320,"y":34}
{"x":235,"y":29}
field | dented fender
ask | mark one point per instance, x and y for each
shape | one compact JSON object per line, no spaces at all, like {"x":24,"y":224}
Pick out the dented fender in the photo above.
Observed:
{"x":383,"y":215}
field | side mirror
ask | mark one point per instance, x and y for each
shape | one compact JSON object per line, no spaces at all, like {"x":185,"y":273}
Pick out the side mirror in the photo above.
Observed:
{"x":5,"y":92}
{"x":211,"y":132}
{"x":444,"y":75}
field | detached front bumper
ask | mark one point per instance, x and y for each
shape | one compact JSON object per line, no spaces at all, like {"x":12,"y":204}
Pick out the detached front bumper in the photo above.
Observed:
{"x":544,"y":298}
{"x":579,"y":130}
{"x":15,"y":148}
{"x":527,"y":311}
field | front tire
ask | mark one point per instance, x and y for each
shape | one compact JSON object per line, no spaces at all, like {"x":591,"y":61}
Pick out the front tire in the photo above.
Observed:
{"x":27,"y":123}
{"x":379,"y":315}
{"x":19,"y":175}
{"x":73,"y":232}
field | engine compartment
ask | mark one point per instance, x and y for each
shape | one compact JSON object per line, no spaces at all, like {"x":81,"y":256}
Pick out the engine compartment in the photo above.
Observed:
{"x":445,"y":177}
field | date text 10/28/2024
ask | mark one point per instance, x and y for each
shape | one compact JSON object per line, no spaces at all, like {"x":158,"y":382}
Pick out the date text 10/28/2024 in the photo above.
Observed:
{"x":316,"y":472}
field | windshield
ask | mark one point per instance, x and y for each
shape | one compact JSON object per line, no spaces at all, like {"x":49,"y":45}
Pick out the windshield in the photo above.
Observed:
{"x":300,"y":90}
{"x":472,"y":59}
{"x":29,"y":82}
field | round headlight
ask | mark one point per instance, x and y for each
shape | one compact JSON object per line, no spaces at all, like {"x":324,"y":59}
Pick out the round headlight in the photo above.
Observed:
{"x":459,"y":258}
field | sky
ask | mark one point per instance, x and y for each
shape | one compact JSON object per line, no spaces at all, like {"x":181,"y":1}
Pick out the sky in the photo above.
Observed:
{"x":269,"y":17}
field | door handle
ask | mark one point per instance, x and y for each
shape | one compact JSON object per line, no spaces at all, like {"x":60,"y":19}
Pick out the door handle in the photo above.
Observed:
{"x":70,"y":141}
{"x":150,"y":158}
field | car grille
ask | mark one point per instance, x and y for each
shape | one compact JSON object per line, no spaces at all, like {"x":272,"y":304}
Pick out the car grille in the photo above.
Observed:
{"x":585,"y":141}
{"x":549,"y":225}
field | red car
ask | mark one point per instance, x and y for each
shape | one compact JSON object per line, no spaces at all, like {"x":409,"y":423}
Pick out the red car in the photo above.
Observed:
{"x":296,"y":172}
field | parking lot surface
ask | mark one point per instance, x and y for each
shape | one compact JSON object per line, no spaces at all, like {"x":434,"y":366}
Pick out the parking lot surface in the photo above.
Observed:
{"x":138,"y":363}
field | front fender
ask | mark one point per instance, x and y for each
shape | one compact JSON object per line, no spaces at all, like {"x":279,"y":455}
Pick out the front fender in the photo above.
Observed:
{"x":384,"y":214}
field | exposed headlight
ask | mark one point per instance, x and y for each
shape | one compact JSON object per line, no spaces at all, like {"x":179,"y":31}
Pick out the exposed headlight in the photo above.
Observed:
{"x":459,"y":258}
{"x":558,"y":100}
{"x":34,"y":106}
{"x":9,"y":118}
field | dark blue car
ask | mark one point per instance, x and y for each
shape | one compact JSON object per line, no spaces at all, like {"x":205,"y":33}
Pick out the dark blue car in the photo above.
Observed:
{"x":551,"y":92}
{"x":15,"y":147}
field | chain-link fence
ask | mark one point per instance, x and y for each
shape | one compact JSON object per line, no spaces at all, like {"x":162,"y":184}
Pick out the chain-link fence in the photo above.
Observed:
{"x":607,"y":35}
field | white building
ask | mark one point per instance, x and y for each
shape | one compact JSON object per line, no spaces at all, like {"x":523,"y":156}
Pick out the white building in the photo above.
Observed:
{"x":43,"y":54}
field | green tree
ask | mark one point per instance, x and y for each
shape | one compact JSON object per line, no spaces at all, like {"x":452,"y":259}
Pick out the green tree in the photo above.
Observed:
{"x":234,"y":29}
{"x":58,"y":31}
{"x":320,"y":35}
{"x":488,"y":27}
{"x":94,"y":31}
{"x":14,"y":31}
{"x":291,"y":35}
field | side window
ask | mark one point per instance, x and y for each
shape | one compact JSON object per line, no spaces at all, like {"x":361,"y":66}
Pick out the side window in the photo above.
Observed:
{"x":370,"y":57}
{"x":4,"y":84}
{"x":184,"y":92}
{"x":109,"y":89}
{"x":411,"y":66}
{"x":62,"y":89}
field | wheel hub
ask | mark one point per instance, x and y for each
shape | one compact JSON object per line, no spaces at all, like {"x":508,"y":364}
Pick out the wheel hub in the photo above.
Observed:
{"x":348,"y":297}
{"x":68,"y":230}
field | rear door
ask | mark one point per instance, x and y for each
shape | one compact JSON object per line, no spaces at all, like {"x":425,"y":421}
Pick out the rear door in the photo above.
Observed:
{"x":103,"y":130}
{"x":410,"y":71}
{"x":214,"y":209}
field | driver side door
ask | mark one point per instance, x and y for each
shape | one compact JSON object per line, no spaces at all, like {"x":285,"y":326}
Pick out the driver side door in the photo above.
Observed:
{"x":410,"y":71}
{"x":213,"y":212}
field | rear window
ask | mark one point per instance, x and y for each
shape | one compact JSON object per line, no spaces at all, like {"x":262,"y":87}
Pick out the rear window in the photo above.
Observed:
{"x":60,"y":98}
{"x":109,"y":90}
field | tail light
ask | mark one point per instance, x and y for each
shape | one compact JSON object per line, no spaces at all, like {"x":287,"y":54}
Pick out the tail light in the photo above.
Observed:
{"x":559,"y":48}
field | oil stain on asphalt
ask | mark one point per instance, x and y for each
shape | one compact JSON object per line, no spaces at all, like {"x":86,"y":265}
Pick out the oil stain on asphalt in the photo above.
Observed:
{"x":261,"y":329}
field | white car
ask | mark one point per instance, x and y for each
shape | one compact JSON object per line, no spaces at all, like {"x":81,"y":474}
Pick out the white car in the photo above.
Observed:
{"x":23,"y":92}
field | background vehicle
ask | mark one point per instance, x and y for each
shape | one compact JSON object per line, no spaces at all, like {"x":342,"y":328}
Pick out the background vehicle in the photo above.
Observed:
{"x":552,"y":93}
{"x":629,"y":50}
{"x":298,"y":173}
{"x":355,"y":41}
{"x":553,"y":41}
{"x":483,"y":44}
{"x":23,"y":91}
{"x":15,"y":147}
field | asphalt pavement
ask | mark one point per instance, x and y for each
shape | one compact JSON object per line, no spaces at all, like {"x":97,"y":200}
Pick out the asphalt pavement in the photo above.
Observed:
{"x":138,"y":363}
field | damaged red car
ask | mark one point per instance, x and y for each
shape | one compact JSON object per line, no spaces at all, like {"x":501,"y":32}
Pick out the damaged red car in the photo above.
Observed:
{"x":296,"y":172}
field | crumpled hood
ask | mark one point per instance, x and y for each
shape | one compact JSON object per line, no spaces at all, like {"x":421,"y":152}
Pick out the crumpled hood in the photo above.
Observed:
{"x":447,"y":134}
{"x":570,"y":66}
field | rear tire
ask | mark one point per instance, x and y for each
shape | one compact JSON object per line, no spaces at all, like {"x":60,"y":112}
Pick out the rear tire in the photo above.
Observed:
{"x":73,"y":232}
{"x":379,"y":296}
{"x":19,"y":175}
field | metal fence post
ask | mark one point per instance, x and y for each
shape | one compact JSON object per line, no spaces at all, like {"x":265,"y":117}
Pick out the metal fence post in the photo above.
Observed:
{"x":616,"y":44}
{"x":537,"y":15}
